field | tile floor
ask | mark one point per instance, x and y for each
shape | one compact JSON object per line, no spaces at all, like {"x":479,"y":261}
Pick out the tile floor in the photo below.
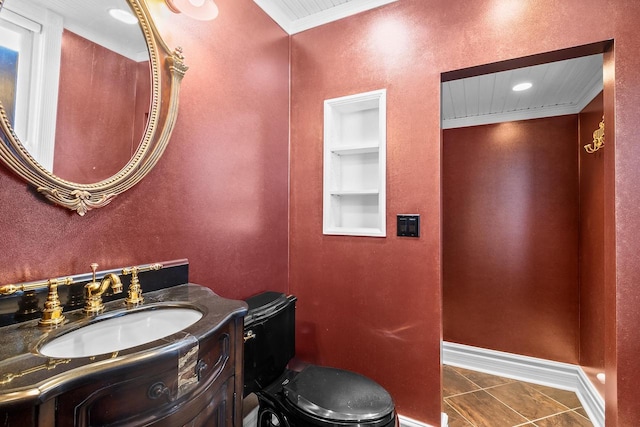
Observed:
{"x":481,"y":400}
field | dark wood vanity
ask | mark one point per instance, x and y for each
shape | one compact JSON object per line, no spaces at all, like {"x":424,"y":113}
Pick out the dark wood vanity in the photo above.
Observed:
{"x":190,"y":378}
{"x":148,"y":398}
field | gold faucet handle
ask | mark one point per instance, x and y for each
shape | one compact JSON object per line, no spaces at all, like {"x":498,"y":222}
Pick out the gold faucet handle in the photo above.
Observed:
{"x":52,"y":313}
{"x":135,"y":297}
{"x":141,"y":268}
{"x":131,"y":270}
{"x":12,"y":289}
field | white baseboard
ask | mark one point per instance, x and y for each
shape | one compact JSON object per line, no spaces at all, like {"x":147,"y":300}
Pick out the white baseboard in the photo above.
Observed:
{"x":530,"y":369}
{"x":408,"y":422}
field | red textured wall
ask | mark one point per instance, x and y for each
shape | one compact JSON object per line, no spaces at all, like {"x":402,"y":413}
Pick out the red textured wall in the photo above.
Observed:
{"x":510,"y":237}
{"x":101,"y":110}
{"x":381,"y":297}
{"x":370,"y":304}
{"x":142,"y":103}
{"x":218,"y":196}
{"x":592,"y":316}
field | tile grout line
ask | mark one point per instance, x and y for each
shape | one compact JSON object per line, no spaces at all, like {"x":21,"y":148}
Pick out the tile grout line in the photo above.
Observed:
{"x":486,"y":390}
{"x":580,"y":415}
{"x":463,"y":417}
{"x":517,"y":412}
{"x":468,"y":379}
{"x":499,"y":401}
{"x":530,"y":421}
{"x":557,"y":401}
{"x":522,"y":415}
{"x":509,"y":380}
{"x":568,"y":409}
{"x":462,"y":394}
{"x":552,"y":415}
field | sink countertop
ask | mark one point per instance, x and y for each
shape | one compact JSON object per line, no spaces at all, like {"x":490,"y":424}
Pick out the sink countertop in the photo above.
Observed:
{"x":26,"y":376}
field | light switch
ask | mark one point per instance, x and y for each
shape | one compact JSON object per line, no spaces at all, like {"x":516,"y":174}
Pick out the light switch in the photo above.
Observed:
{"x":409,"y":225}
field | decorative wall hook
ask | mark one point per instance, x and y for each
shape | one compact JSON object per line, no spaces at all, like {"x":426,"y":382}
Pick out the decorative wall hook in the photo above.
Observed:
{"x":598,"y":139}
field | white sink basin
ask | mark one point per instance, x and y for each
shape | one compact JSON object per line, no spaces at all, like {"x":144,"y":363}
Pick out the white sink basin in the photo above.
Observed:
{"x":121,"y":332}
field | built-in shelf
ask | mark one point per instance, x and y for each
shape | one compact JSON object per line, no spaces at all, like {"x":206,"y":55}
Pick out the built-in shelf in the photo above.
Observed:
{"x":355,"y":165}
{"x":353,"y":192}
{"x":354,"y":149}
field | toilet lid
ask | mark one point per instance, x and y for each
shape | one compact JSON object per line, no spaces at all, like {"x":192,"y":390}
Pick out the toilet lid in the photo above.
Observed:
{"x":340,"y":395}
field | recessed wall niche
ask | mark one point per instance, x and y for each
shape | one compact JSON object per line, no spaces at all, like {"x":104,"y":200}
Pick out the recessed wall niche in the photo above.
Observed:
{"x":355,"y":165}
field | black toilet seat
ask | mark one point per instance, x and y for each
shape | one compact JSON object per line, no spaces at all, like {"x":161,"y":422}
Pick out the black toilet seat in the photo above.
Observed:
{"x":314,"y":397}
{"x":338,"y":395}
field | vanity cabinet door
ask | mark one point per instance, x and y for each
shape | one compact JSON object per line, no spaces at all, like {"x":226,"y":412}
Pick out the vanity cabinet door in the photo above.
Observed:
{"x":211,"y":408}
{"x":168,"y":391}
{"x":118,"y":398}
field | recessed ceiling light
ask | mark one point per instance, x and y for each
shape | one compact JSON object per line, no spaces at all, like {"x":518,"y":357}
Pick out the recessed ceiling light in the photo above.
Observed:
{"x":521,"y":86}
{"x":123,"y":16}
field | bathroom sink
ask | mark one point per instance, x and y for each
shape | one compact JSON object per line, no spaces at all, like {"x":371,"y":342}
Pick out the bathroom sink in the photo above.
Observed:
{"x":121,"y":332}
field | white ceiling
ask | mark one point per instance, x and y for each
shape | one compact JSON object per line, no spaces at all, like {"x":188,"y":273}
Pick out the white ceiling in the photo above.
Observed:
{"x":559,"y":88}
{"x":295,"y":16}
{"x":91,"y":20}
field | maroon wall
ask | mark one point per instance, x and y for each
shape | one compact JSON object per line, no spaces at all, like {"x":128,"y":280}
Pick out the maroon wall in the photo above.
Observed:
{"x":142,"y":103}
{"x":218,"y":196}
{"x":592,"y":316}
{"x":510,"y":237}
{"x":370,"y":304}
{"x":382,"y":297}
{"x":101,"y":115}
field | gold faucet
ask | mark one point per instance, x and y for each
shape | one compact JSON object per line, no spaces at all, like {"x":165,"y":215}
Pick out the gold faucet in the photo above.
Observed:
{"x":95,"y":290}
{"x":52,"y":313}
{"x":135,"y":297}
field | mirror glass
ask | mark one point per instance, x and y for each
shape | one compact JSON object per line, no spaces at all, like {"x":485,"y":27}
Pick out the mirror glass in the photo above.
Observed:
{"x":75,"y":83}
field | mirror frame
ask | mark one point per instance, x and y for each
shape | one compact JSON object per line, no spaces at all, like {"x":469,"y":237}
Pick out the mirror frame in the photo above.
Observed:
{"x":167,"y":70}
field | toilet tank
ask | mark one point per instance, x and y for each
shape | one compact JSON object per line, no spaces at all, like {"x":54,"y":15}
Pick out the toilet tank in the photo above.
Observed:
{"x":269,"y":331}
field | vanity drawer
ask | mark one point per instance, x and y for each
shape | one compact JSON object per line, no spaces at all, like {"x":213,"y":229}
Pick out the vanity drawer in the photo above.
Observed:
{"x":116,"y":399}
{"x":162,"y":389}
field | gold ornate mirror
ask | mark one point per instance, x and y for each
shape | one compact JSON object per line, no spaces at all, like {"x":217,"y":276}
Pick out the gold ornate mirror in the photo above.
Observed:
{"x":81,"y":146}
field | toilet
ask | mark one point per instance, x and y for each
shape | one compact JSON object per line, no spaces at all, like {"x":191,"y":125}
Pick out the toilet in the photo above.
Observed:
{"x":316,"y":395}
